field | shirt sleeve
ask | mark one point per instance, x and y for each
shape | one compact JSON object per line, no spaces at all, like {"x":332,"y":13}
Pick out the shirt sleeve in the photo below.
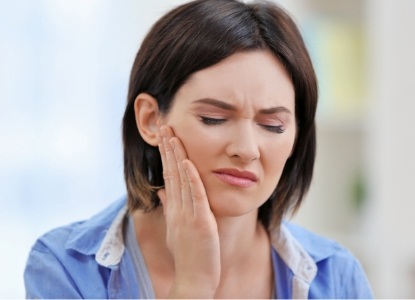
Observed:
{"x":357,"y":286}
{"x":45,"y":277}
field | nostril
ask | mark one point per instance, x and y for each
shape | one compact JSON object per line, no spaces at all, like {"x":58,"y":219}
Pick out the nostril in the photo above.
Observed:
{"x":243,"y":143}
{"x":245,"y":155}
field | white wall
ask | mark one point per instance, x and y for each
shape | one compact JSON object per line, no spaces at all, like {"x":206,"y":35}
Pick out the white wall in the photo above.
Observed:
{"x":64,"y":68}
{"x":391,"y":148}
{"x":381,"y":235}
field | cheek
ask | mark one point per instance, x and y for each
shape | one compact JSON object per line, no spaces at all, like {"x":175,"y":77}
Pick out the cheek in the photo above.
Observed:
{"x":193,"y":142}
{"x":194,"y":148}
{"x":203,"y":148}
{"x":277,"y":155}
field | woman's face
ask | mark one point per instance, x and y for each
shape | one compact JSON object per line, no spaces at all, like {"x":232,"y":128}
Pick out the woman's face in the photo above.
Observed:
{"x":237,"y":123}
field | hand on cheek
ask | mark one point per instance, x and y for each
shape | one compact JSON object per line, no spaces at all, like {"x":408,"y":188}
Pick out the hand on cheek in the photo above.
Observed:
{"x":192,"y":235}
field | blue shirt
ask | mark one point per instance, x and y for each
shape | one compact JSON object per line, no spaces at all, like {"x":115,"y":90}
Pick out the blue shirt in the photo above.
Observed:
{"x":89,"y":260}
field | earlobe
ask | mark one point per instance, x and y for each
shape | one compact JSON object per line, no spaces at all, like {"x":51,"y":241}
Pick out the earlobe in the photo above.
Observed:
{"x":147,"y":116}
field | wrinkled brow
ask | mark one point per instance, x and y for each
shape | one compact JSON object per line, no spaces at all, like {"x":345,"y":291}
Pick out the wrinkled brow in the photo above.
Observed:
{"x":227,"y":106}
{"x":217,"y":103}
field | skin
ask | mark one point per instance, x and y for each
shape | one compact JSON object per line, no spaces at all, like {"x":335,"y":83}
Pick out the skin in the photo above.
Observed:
{"x":206,"y":241}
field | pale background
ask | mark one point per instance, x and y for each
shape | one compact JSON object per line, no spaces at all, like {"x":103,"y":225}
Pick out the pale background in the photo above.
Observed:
{"x":64,"y":68}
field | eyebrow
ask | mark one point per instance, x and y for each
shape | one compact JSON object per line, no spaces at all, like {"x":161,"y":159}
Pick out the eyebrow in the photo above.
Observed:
{"x":227,"y":106}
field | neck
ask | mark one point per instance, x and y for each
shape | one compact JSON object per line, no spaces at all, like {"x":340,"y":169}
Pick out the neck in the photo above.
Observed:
{"x":240,"y":237}
{"x":244,"y":250}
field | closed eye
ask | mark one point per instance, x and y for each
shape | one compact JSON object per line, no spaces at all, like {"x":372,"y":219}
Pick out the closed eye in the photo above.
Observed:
{"x":215,"y":121}
{"x":275,"y":129}
{"x":212,"y":121}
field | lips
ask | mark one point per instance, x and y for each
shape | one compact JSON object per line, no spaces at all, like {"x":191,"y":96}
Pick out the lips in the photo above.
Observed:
{"x":236,"y":177}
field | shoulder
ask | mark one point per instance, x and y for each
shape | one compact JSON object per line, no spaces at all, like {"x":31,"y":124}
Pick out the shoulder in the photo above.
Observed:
{"x":339,"y":273}
{"x":82,"y":236}
{"x":61,"y":260}
{"x":317,"y":246}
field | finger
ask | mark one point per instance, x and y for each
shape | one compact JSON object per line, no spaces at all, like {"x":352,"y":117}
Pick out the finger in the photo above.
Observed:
{"x":172,"y":173}
{"x":197,"y":190}
{"x":165,"y":168}
{"x":180,"y":155}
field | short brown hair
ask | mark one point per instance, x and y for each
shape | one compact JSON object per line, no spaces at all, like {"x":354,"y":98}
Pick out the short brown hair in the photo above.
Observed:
{"x":193,"y":37}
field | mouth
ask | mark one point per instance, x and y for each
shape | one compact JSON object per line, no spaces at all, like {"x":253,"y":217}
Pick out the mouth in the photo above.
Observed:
{"x":236,"y":177}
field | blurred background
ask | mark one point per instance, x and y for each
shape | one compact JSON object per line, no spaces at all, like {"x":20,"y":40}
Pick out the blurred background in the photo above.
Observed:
{"x":64,"y":68}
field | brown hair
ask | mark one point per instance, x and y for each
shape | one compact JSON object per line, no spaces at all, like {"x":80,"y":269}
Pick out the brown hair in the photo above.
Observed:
{"x":200,"y":34}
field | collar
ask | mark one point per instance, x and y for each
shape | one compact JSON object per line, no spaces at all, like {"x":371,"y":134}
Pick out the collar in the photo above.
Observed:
{"x":302,"y":258}
{"x":301,"y":264}
{"x":318,"y":247}
{"x":112,"y":247}
{"x":102,"y":235}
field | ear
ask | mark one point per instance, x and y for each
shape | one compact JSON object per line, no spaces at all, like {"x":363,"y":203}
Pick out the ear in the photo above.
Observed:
{"x":147,"y":116}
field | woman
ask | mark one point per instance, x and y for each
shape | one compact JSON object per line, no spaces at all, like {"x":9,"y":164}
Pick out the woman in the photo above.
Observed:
{"x":219,"y":146}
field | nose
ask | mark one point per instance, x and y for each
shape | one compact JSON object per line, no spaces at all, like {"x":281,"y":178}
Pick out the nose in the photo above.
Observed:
{"x":243,"y":143}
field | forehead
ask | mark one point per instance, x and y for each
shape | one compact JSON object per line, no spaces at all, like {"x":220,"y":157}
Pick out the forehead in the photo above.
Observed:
{"x":256,"y":75}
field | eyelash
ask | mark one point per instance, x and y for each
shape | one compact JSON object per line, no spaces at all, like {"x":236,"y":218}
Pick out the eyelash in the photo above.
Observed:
{"x":275,"y":129}
{"x":214,"y":121}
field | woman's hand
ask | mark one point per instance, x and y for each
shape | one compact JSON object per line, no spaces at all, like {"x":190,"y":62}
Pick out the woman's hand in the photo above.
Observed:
{"x":192,"y":234}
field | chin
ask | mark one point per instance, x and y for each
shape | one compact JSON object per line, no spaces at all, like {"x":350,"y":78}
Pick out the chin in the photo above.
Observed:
{"x":229,"y":201}
{"x":232,"y":206}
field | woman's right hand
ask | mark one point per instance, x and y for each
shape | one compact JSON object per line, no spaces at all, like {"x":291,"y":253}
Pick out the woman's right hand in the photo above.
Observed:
{"x":192,"y":233}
